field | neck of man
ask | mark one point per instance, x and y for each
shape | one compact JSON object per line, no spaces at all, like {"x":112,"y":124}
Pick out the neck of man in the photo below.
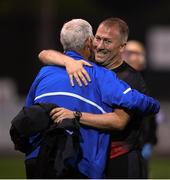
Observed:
{"x":116,"y":62}
{"x":83,"y":53}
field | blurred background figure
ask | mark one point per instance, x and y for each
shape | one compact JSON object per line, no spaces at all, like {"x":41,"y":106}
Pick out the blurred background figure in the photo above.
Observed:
{"x":135,"y":56}
{"x":10,"y":103}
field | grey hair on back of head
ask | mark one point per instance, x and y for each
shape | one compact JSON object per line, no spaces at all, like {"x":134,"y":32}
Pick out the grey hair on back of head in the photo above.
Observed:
{"x":74,"y":34}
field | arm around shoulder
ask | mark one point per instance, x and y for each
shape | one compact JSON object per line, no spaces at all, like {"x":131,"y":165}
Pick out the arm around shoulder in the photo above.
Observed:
{"x":52,"y":57}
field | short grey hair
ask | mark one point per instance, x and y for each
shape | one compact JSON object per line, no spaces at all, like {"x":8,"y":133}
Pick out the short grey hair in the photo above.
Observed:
{"x":74,"y":33}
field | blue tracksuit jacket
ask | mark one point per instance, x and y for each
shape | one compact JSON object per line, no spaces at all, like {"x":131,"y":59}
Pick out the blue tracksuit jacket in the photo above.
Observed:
{"x":52,"y":85}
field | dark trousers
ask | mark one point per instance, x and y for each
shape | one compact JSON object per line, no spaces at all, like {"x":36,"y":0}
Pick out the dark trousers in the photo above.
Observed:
{"x":32,"y":172}
{"x":127,"y":166}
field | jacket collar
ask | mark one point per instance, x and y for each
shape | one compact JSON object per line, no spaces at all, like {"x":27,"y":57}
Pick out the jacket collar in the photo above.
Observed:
{"x":75,"y":55}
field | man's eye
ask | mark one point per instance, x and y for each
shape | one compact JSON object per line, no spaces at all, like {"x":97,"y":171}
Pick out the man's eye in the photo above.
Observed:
{"x":108,"y":42}
{"x":97,"y":38}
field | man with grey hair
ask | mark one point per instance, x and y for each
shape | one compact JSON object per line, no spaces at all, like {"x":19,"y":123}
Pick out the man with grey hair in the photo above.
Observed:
{"x":52,"y":85}
{"x":82,"y":32}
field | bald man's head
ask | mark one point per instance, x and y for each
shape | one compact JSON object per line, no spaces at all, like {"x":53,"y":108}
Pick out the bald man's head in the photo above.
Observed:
{"x":134,"y":55}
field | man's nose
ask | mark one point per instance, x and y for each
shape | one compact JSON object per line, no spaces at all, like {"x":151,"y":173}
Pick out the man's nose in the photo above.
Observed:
{"x":100,"y":45}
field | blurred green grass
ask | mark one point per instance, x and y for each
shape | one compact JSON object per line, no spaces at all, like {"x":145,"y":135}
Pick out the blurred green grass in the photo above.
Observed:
{"x":160,"y":167}
{"x":12,"y":167}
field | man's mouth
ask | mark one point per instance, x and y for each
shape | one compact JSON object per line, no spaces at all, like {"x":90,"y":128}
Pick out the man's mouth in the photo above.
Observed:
{"x":101,"y":52}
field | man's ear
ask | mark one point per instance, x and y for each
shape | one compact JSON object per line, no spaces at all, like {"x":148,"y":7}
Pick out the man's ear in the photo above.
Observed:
{"x":122,"y":47}
{"x":88,"y":47}
{"x":88,"y":43}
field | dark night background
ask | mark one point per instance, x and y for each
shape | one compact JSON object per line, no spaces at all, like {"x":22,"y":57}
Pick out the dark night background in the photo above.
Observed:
{"x":27,"y":27}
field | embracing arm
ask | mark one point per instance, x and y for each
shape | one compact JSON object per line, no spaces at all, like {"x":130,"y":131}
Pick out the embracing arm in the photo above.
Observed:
{"x":74,"y":68}
{"x":116,"y":120}
{"x":120,"y":94}
{"x":53,"y":57}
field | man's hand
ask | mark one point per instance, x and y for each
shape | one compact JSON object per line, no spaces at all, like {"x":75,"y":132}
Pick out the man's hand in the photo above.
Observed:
{"x":58,"y":114}
{"x":76,"y":70}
